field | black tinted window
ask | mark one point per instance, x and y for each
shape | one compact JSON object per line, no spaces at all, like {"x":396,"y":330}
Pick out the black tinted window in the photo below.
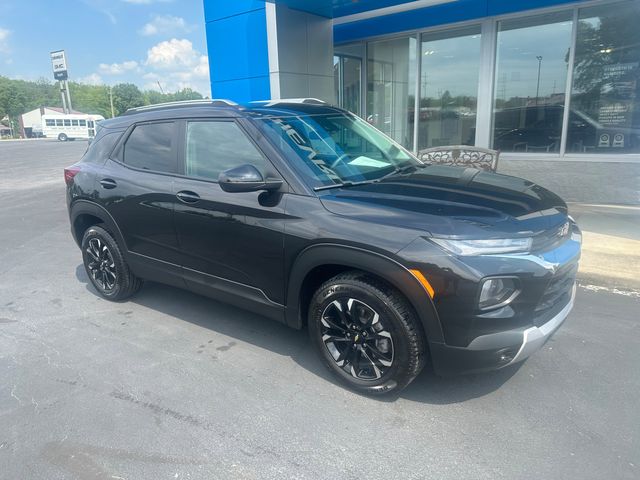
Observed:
{"x":213,"y":147}
{"x":101,"y":146}
{"x":151,"y":147}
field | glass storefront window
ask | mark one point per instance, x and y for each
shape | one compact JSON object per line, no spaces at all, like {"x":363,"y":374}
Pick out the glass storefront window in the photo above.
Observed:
{"x":391,"y":77}
{"x":449,"y":88}
{"x":531,"y":74}
{"x":605,"y":99}
{"x":524,"y":109}
{"x":348,"y":76}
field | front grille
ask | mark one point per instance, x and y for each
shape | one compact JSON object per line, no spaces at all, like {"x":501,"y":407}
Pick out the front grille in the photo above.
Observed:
{"x":557,"y":294}
{"x":551,"y":238}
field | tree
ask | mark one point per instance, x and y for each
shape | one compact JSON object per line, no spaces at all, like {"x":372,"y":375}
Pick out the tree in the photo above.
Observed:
{"x":126,"y":96}
{"x":20,"y":96}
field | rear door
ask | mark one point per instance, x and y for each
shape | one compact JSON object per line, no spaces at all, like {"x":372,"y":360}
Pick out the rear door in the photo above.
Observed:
{"x":137,"y":189}
{"x":228,"y":241}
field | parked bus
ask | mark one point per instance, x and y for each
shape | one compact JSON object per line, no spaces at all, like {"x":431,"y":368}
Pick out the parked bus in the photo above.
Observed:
{"x":70,"y":127}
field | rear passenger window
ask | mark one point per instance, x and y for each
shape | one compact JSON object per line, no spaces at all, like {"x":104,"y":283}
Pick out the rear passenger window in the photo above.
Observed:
{"x":151,"y":147}
{"x":59,"y":123}
{"x":213,"y":147}
{"x":67,"y":123}
{"x":50,"y":122}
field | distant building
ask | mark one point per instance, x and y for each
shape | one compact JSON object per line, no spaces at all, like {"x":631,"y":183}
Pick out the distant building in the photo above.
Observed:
{"x":31,"y":122}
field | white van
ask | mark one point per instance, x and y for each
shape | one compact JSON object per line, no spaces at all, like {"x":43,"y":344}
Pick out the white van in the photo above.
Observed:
{"x":70,"y":127}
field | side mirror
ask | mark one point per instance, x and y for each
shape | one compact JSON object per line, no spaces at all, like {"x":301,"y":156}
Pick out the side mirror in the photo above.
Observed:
{"x":246,"y":178}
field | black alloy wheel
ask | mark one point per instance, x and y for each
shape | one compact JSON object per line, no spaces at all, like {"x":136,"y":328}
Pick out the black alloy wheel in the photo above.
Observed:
{"x":106,"y":267}
{"x":101,"y":266}
{"x":357,"y":338}
{"x":367,"y":333}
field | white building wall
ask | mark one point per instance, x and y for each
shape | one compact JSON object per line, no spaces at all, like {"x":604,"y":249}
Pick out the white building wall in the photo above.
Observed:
{"x":300,"y":64}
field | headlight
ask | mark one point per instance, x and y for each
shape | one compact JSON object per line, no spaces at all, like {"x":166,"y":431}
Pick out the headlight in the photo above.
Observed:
{"x":485,"y":247}
{"x":497,"y":292}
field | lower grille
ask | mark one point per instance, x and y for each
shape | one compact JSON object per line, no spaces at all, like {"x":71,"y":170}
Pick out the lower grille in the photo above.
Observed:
{"x":557,"y":294}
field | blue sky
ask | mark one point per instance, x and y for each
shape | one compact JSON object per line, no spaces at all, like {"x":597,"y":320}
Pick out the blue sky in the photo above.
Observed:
{"x":107,"y":41}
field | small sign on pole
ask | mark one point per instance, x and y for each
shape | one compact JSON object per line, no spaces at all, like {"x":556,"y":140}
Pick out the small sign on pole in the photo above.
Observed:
{"x":59,"y":62}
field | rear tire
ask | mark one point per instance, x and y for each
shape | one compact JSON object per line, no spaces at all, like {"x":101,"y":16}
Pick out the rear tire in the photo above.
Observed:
{"x":63,"y":137}
{"x":366,"y":333}
{"x":106,"y":267}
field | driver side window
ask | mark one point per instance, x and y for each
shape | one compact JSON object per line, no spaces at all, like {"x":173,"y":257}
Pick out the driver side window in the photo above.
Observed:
{"x":215,"y":146}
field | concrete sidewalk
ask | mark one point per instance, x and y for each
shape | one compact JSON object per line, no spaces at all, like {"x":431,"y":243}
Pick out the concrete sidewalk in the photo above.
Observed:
{"x":611,"y":245}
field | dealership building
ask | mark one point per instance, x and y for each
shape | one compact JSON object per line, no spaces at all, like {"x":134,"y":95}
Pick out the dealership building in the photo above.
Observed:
{"x":553,"y":85}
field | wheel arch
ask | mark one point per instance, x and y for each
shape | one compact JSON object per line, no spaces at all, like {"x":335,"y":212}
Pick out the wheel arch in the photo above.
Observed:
{"x":320,"y":262}
{"x":85,"y":214}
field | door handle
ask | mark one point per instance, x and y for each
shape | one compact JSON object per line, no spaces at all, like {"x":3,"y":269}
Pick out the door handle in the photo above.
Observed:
{"x":108,"y":183}
{"x":187,"y":196}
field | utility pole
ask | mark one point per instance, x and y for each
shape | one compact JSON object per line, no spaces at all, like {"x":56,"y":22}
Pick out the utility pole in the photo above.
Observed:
{"x":113,"y":113}
{"x":539,"y":57}
{"x":161,"y":89}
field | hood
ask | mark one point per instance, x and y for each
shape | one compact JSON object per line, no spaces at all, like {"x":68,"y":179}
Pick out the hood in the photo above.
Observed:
{"x":452,"y":202}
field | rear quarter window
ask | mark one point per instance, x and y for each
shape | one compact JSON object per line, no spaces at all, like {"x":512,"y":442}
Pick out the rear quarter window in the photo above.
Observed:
{"x":102,"y":146}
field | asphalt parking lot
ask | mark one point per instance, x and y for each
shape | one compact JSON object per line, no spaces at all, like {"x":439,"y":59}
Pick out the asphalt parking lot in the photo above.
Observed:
{"x":170,"y":385}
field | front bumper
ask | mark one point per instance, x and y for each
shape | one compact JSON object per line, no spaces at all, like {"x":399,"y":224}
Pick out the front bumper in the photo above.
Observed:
{"x":535,"y":337}
{"x":498,"y":350}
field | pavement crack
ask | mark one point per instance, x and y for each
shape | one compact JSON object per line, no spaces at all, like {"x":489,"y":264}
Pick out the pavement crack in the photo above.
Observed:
{"x":13,"y":394}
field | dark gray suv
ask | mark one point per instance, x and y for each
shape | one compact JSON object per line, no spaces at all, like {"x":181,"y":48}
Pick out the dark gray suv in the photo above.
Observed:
{"x":308,"y":215}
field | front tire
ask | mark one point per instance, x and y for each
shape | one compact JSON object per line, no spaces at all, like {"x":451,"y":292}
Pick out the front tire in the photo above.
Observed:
{"x":366,"y":333}
{"x":106,"y":267}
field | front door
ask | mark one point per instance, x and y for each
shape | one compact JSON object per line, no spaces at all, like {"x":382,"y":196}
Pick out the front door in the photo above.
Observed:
{"x":229,"y":241}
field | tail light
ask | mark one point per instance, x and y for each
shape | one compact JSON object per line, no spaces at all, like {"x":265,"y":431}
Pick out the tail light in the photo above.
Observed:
{"x":69,"y":174}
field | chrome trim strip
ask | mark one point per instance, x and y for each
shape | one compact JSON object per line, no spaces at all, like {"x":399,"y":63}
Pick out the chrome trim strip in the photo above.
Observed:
{"x":535,"y":337}
{"x":379,"y":12}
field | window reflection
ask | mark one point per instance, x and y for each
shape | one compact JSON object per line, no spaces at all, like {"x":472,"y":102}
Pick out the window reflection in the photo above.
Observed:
{"x":605,"y":102}
{"x":531,"y":75}
{"x":391,"y":77}
{"x":348,"y":77}
{"x":449,"y":88}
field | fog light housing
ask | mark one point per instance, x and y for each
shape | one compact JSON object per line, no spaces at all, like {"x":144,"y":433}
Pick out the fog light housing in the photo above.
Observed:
{"x":497,"y":292}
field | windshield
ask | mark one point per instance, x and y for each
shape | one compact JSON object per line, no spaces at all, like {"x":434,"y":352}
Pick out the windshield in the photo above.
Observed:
{"x":337,"y":148}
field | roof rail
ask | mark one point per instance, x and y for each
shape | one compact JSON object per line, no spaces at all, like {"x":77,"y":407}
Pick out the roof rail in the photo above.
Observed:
{"x":214,"y":102}
{"x":312,"y":101}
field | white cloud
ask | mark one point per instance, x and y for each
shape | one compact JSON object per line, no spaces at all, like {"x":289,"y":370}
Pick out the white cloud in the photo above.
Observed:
{"x":118,"y":68}
{"x":177,"y":65}
{"x":172,"y":54}
{"x":165,"y":25}
{"x":4,"y":40}
{"x":174,"y":63}
{"x":93,"y":79}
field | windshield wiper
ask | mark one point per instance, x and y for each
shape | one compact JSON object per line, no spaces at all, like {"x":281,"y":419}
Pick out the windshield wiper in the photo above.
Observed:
{"x":401,"y":170}
{"x":342,"y":185}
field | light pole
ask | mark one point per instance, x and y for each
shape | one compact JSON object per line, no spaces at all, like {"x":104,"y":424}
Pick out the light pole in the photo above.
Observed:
{"x":113,"y":113}
{"x":539,"y":57}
